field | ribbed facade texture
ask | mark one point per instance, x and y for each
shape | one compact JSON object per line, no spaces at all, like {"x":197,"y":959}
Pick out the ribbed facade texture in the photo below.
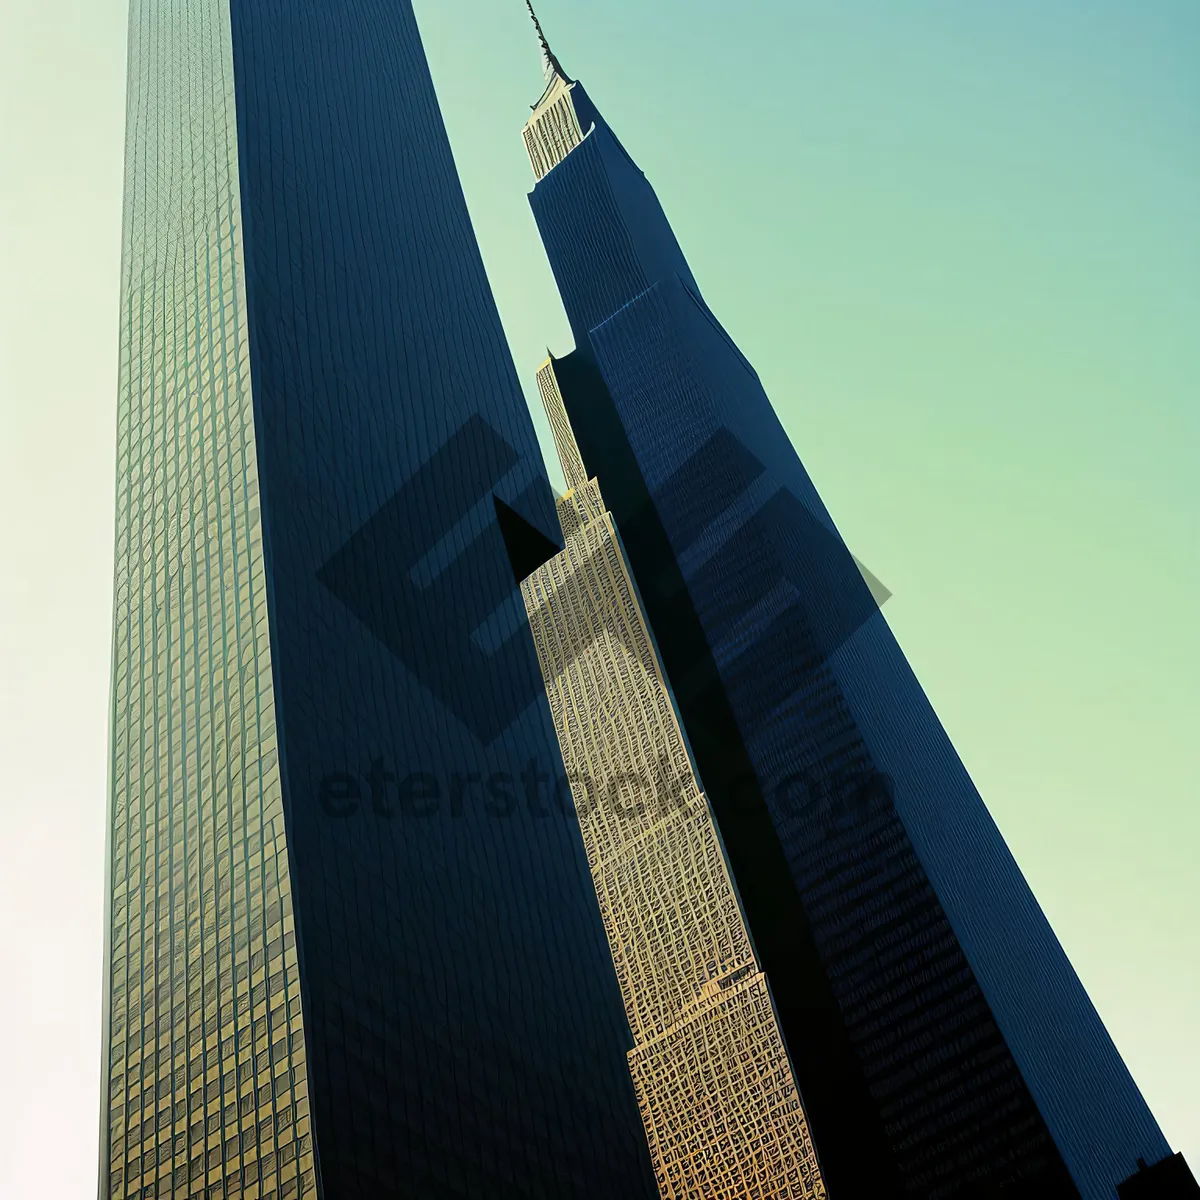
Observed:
{"x":553,"y":131}
{"x":939,"y":1036}
{"x":349,"y":955}
{"x":720,"y":1105}
{"x":206,"y":1088}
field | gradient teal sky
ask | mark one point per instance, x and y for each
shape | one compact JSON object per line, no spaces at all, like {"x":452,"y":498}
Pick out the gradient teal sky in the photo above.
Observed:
{"x":960,"y":240}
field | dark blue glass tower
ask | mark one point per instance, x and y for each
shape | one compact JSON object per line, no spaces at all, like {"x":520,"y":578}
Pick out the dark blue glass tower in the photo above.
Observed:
{"x":465,"y":1034}
{"x":941,"y":1040}
{"x":353,"y":949}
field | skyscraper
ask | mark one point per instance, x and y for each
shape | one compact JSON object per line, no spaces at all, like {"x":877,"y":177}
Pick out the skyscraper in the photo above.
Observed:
{"x":941,"y":1041}
{"x":718,"y":1098}
{"x":346,"y":957}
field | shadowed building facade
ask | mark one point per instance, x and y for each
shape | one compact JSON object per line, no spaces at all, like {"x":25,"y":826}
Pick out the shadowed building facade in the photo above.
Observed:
{"x":719,"y":1102}
{"x":942,"y":1043}
{"x":346,"y":958}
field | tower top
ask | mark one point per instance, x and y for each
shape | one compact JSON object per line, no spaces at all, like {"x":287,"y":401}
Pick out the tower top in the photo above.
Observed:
{"x":554,"y":130}
{"x":552,"y":65}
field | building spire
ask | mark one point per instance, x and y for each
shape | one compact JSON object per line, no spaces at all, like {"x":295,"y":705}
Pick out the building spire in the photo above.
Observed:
{"x":553,"y":66}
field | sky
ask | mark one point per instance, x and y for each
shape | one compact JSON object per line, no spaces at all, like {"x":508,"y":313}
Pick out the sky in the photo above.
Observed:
{"x":960,"y":241}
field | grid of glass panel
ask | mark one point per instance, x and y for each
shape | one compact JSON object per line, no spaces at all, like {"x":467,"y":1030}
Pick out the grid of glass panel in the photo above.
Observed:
{"x":720,"y":1106}
{"x":205,"y":1076}
{"x":721,"y":1110}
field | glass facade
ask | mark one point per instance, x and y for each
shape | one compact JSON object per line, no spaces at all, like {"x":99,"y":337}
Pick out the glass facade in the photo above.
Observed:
{"x":719,"y":1102}
{"x":940,"y":1038}
{"x":351,"y":954}
{"x":206,"y":1071}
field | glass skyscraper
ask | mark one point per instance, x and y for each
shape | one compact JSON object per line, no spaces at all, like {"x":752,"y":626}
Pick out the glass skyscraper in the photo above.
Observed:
{"x":348,"y":956}
{"x":942,"y":1044}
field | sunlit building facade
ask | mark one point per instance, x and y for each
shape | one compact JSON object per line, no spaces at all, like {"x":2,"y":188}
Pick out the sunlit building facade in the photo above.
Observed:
{"x":943,"y":1044}
{"x":337,"y":965}
{"x":719,"y":1102}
